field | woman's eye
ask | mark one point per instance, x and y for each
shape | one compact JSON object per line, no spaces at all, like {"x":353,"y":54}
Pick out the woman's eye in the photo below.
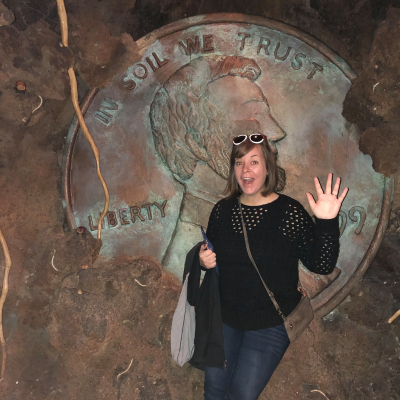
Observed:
{"x":237,"y":163}
{"x":254,"y":162}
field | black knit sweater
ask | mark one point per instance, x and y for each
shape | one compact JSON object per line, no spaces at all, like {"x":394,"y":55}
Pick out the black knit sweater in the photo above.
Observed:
{"x":280,"y":233}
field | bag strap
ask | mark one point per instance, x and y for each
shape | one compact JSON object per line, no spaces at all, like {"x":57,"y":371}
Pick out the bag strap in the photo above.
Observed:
{"x":270,"y":294}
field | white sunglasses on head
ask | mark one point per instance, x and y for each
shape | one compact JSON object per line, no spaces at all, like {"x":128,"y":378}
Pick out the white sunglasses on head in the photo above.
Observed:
{"x":255,"y":138}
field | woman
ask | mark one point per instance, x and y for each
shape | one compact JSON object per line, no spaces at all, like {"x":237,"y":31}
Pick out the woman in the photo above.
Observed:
{"x":280,"y":232}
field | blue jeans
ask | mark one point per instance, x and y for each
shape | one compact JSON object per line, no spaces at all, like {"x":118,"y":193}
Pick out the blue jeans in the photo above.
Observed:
{"x":251,"y":359}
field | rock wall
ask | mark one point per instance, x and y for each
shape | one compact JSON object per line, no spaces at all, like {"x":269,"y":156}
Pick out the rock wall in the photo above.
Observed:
{"x":72,"y":324}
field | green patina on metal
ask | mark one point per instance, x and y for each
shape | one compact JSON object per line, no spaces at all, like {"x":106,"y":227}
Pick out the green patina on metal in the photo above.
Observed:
{"x":164,"y":132}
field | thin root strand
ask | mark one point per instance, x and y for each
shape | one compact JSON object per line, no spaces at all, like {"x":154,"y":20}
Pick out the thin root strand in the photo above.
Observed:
{"x":2,"y":300}
{"x":52,"y":261}
{"x":40,"y":104}
{"x":373,"y":87}
{"x":124,"y":372}
{"x":318,"y":391}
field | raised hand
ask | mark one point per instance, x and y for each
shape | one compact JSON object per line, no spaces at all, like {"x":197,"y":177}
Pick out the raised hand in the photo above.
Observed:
{"x":328,"y":204}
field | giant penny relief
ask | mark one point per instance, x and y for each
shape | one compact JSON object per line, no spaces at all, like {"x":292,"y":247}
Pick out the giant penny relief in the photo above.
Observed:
{"x":164,"y":131}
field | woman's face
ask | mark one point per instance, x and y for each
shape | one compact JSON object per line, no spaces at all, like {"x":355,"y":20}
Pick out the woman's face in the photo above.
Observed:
{"x":251,"y":172}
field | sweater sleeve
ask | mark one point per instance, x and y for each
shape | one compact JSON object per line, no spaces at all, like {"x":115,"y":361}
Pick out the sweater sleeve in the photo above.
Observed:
{"x":317,"y":244}
{"x":212,"y":227}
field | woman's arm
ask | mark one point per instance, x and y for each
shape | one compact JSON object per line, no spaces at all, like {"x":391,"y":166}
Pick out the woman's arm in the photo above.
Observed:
{"x":213,"y":220}
{"x":207,"y":257}
{"x":317,"y":244}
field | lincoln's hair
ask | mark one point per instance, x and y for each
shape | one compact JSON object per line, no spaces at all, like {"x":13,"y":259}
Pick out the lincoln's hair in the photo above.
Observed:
{"x":185,"y":125}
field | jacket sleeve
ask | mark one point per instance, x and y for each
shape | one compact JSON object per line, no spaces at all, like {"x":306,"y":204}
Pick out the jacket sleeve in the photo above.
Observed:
{"x":317,"y":243}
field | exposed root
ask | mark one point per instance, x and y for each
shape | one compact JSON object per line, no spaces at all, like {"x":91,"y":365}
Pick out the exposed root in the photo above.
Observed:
{"x":373,"y":87}
{"x":124,"y":372}
{"x":88,"y":136}
{"x":74,"y":94}
{"x":52,"y":261}
{"x":2,"y":300}
{"x":40,"y":105}
{"x":63,"y":21}
{"x":395,"y":315}
{"x":140,"y":284}
{"x":318,"y":391}
{"x":26,"y":120}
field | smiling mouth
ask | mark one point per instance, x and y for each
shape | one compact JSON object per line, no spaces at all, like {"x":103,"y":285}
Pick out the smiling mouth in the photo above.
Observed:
{"x":247,"y":180}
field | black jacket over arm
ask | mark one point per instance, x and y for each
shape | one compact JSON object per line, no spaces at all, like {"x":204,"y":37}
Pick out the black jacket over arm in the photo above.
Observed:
{"x":208,"y":342}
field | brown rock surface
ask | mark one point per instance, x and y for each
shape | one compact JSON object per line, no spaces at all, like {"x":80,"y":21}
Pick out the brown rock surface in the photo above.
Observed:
{"x":99,"y":56}
{"x":103,"y":318}
{"x":373,"y":101}
{"x":33,"y":56}
{"x":7,"y":17}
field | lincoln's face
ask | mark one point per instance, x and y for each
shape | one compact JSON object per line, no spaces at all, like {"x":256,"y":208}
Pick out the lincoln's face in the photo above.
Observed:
{"x":194,"y":117}
{"x":239,"y":99}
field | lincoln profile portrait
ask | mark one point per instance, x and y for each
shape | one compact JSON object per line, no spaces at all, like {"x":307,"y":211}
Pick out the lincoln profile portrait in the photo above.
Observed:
{"x":194,"y":117}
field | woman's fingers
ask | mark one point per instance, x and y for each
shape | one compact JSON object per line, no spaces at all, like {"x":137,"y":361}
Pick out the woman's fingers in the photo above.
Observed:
{"x":318,"y":187}
{"x":328,"y":188}
{"x":311,"y":200}
{"x":208,"y":258}
{"x":335,"y":191}
{"x":210,"y":263}
{"x":343,"y":195}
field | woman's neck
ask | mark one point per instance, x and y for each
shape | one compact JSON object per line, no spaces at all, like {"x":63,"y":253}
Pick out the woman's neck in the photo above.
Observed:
{"x":258,"y":200}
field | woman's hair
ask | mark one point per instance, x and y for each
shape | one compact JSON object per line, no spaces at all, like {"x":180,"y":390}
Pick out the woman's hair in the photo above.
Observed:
{"x":274,"y":181}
